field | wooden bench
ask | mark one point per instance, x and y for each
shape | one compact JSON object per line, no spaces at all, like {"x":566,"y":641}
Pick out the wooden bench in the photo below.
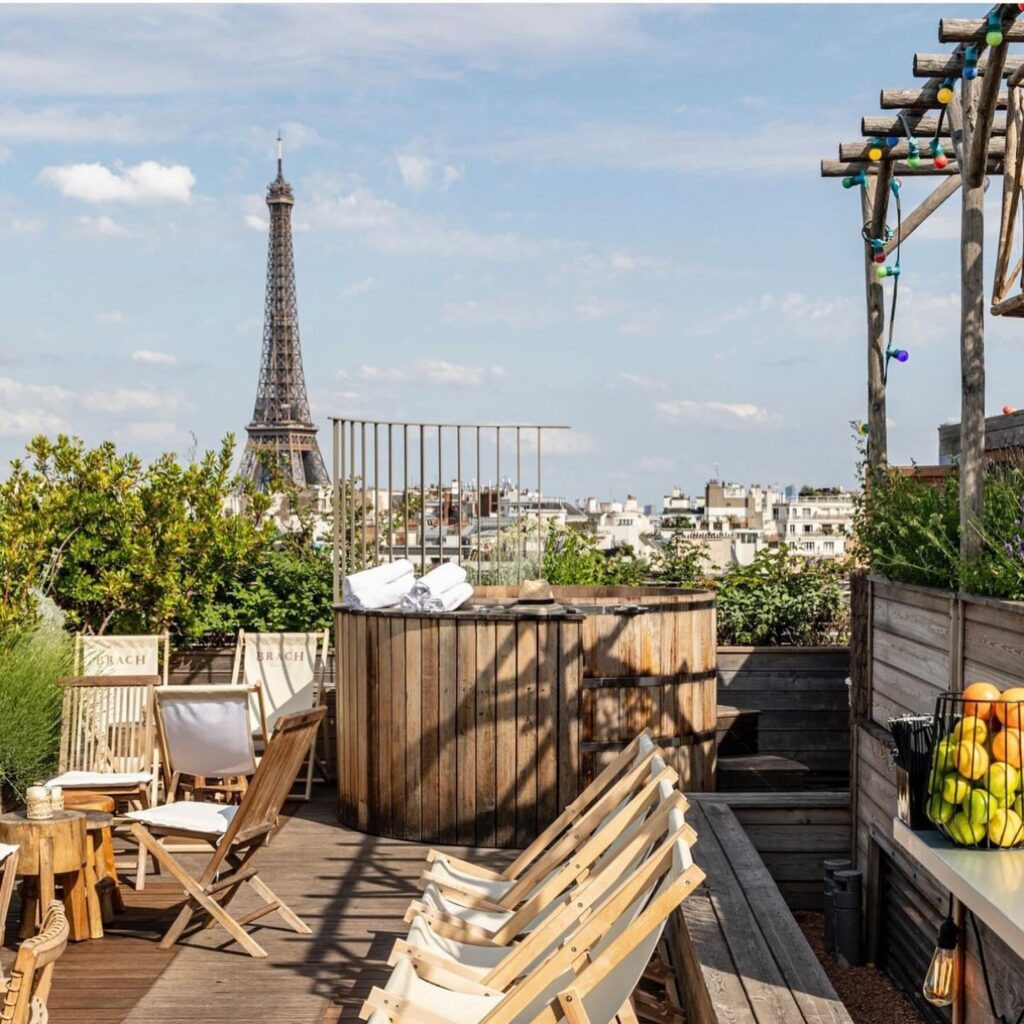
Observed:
{"x":740,"y":955}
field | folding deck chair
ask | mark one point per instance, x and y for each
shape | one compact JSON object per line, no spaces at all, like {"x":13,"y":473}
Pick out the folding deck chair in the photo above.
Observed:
{"x":236,"y":833}
{"x":588,"y":979}
{"x":289,"y":667}
{"x":107,"y":741}
{"x":123,"y":655}
{"x":23,"y":998}
{"x":204,"y":734}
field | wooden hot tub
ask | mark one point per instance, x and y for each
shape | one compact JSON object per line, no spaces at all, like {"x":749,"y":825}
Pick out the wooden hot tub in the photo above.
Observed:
{"x":476,"y":727}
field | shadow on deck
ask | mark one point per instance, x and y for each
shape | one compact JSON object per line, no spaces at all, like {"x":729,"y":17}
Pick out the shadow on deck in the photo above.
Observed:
{"x":351,"y":889}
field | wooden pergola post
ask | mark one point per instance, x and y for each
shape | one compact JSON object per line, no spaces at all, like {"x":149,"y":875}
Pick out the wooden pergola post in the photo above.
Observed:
{"x":874,"y":202}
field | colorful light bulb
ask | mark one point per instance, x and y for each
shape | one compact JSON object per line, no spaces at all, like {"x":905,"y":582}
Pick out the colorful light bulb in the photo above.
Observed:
{"x":994,"y":36}
{"x":883,"y":272}
{"x":860,"y":178}
{"x":945,"y":93}
{"x":941,"y":161}
{"x":875,"y":151}
{"x":1008,"y":410}
{"x":970,"y":63}
{"x":938,"y":155}
{"x":892,"y":140}
{"x":902,"y":355}
{"x":879,"y":257}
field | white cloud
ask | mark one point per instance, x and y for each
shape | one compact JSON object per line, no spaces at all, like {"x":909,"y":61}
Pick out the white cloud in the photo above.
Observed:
{"x":122,"y":400}
{"x":62,"y":124}
{"x":559,"y":442}
{"x":105,"y":227}
{"x":438,"y":372}
{"x":147,"y":355}
{"x":416,"y":171}
{"x":110,"y":316}
{"x":637,"y":380}
{"x":146,"y":182}
{"x":256,"y":222}
{"x":15,"y":391}
{"x":151,"y":432}
{"x":367,"y":284}
{"x":715,"y":413}
{"x":30,"y":421}
{"x":773,"y":148}
{"x":26,"y":225}
{"x":391,"y":228}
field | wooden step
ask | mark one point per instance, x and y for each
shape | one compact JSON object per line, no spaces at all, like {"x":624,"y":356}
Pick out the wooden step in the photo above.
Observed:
{"x":757,"y":772}
{"x":737,"y":731}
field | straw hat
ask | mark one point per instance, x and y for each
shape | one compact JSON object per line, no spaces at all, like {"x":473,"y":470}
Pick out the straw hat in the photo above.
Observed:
{"x":535,"y":592}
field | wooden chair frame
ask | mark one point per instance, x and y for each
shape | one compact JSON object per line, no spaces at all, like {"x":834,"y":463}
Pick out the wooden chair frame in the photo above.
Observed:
{"x":161,"y":640}
{"x":575,"y":906}
{"x":209,"y":894}
{"x":551,"y":845}
{"x":319,"y":673}
{"x":8,"y":879}
{"x":574,"y":954}
{"x":25,"y":995}
{"x":85,"y":739}
{"x":539,"y":887}
{"x":229,"y":787}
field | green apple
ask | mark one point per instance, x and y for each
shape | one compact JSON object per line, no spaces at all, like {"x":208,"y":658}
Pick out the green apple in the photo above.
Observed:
{"x":965,"y":832}
{"x":954,"y":789}
{"x":940,"y":811}
{"x":980,"y":805}
{"x":1002,"y":780}
{"x":944,"y":755}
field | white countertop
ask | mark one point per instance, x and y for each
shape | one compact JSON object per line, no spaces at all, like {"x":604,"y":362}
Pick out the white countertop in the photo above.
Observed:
{"x":989,"y":882}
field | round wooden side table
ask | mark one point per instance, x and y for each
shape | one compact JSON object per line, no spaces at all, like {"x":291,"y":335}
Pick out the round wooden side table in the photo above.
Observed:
{"x":51,"y":852}
{"x":102,"y":891}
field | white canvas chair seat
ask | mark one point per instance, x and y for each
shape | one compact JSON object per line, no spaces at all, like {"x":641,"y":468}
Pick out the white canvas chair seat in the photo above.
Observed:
{"x":101,"y":780}
{"x":187,"y":816}
{"x":6,"y":849}
{"x":205,"y":734}
{"x":480,"y":959}
{"x":458,"y":1007}
{"x":289,"y":669}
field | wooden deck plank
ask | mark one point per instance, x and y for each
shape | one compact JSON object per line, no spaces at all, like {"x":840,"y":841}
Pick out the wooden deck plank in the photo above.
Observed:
{"x":351,"y":889}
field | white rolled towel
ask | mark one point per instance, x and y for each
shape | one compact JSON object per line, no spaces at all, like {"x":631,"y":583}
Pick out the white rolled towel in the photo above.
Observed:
{"x":438,"y":580}
{"x":411,"y":603}
{"x":368,"y":588}
{"x":454,"y":597}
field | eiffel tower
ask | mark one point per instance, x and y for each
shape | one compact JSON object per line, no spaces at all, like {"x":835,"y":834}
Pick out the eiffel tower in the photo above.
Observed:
{"x":282,"y":437}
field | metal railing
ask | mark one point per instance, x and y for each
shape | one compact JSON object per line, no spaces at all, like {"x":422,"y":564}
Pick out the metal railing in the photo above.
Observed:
{"x":372,"y":458}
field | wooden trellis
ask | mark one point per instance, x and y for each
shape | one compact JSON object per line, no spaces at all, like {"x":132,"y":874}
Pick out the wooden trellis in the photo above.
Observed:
{"x":974,"y":144}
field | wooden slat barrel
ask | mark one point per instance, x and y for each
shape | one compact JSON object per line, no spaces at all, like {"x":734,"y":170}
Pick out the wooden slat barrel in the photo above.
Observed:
{"x":457,"y":728}
{"x":477,"y":727}
{"x":649,"y":660}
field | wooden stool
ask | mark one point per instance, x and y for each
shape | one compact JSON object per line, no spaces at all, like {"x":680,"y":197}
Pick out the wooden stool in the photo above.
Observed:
{"x":52,"y":852}
{"x":102,"y":893}
{"x":112,"y":898}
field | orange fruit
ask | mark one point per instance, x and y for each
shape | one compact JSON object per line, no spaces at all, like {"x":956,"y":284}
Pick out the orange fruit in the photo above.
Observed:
{"x":979,"y":698}
{"x":1008,"y":746}
{"x":1010,"y":709}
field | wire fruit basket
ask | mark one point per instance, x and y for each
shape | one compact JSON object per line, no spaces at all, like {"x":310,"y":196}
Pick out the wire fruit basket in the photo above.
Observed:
{"x":975,"y":784}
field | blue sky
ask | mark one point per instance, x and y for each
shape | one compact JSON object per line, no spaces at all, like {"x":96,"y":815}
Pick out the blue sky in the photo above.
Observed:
{"x":604,"y":216}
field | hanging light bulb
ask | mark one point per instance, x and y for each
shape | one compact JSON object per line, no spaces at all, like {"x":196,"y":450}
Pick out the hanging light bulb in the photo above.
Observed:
{"x":883,"y":272}
{"x":892,"y":140}
{"x":901,"y":355}
{"x":875,"y":151}
{"x":860,"y":178}
{"x":970,"y":63}
{"x":940,"y":981}
{"x":938,"y":155}
{"x":945,"y":93}
{"x":994,"y":36}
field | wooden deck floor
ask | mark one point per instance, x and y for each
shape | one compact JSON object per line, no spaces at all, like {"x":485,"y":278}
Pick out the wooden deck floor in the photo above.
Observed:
{"x":351,"y":889}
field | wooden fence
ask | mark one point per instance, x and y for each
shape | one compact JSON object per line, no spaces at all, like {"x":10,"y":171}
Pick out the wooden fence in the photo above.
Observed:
{"x":911,"y":644}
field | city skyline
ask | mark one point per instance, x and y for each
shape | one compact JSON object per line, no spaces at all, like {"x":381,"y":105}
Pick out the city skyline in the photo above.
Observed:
{"x":499,"y":215}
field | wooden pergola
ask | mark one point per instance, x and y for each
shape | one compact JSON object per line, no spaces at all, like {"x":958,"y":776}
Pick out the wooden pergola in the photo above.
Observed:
{"x":956,"y":107}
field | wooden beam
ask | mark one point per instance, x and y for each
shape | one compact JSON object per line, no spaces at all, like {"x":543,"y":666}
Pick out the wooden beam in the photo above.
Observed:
{"x":920,"y":99}
{"x":972,"y":340}
{"x":950,"y":65}
{"x":922,"y":126}
{"x":974,"y":30}
{"x":845,"y":168}
{"x":874,"y":200}
{"x":981,"y":132}
{"x":1011,"y":198}
{"x":955,"y":112}
{"x":922,"y":212}
{"x":1016,"y":78}
{"x":859,"y":150}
